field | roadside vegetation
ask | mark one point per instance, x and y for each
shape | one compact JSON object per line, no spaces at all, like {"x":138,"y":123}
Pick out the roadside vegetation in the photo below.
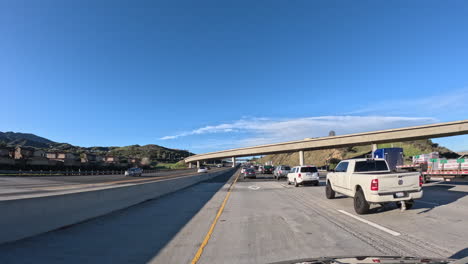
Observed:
{"x":331,"y":157}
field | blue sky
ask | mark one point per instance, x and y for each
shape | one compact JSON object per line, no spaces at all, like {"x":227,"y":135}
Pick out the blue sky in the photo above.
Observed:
{"x":210,"y":75}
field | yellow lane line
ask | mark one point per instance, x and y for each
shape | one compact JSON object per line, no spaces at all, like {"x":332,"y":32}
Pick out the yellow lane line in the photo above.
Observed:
{"x":210,"y":231}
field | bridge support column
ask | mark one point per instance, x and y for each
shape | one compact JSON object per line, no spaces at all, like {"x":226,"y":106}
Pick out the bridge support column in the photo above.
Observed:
{"x":301,"y":157}
{"x":233,"y":162}
{"x":190,"y":165}
{"x":198,"y":164}
{"x":374,"y":148}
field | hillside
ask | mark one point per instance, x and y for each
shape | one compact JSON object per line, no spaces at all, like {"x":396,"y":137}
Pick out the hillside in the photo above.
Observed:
{"x":151,"y":153}
{"x":332,"y":156}
{"x":24,"y":139}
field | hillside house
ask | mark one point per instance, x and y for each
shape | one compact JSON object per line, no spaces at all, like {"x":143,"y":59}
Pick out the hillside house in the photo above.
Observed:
{"x":67,"y":159}
{"x":59,"y":156}
{"x":39,"y":157}
{"x":7,"y":152}
{"x":88,"y":158}
{"x":111,"y":159}
{"x":6,"y":156}
{"x":99,"y":158}
{"x":23,"y":153}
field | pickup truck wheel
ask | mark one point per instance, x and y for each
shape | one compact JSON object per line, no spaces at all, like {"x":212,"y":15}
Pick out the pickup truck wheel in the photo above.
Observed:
{"x":295,"y":183}
{"x":289,"y":183}
{"x":361,"y":206}
{"x":329,"y":192}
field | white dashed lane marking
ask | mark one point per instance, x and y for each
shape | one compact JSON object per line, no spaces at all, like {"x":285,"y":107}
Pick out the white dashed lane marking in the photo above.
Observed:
{"x":370,"y":223}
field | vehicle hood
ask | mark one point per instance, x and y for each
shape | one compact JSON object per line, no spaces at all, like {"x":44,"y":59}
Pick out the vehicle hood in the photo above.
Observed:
{"x":371,"y":259}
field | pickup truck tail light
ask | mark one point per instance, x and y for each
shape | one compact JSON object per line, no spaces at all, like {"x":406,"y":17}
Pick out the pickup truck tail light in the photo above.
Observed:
{"x":374,"y":185}
{"x":420,"y":180}
{"x":299,"y":175}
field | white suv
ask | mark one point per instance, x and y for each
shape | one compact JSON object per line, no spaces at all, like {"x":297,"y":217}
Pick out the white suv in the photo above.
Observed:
{"x":304,"y":175}
{"x":281,"y":171}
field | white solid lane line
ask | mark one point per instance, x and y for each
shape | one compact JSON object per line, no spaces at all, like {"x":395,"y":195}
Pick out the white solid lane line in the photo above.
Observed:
{"x":391,"y":232}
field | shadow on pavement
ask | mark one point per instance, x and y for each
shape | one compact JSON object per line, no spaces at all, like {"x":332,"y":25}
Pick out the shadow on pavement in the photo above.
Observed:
{"x":438,"y":195}
{"x":460,"y":254}
{"x":434,"y":196}
{"x":132,"y":235}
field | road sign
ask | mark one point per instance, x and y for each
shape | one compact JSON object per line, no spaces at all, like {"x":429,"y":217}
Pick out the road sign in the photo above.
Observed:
{"x":433,"y":160}
{"x":443,"y":161}
{"x":460,"y":160}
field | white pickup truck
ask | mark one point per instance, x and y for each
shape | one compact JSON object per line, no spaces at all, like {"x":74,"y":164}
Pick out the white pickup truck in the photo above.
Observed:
{"x":370,"y":181}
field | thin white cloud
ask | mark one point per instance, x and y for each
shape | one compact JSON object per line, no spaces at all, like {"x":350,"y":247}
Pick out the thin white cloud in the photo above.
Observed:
{"x":267,"y":130}
{"x":249,"y":131}
{"x":446,"y":101}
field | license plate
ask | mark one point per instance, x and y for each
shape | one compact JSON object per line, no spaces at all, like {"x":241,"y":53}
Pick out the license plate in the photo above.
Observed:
{"x":399,"y":194}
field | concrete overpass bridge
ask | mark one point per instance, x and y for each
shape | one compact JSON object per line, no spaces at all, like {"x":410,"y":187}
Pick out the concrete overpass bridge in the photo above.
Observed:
{"x":374,"y":137}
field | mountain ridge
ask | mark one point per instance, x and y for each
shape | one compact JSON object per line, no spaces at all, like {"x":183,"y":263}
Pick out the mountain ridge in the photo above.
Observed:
{"x":151,"y":151}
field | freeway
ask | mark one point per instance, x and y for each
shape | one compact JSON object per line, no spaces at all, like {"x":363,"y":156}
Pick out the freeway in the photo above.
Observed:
{"x":262,"y":221}
{"x":14,"y":187}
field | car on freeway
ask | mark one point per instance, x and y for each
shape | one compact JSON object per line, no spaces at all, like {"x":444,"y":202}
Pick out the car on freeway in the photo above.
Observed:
{"x":260,"y":169}
{"x":268,"y":169}
{"x":243,"y":169}
{"x":302,"y":175}
{"x":134,"y":172}
{"x":370,"y":181}
{"x":219,"y":165}
{"x":250,"y":173}
{"x":202,"y":170}
{"x":281,"y":171}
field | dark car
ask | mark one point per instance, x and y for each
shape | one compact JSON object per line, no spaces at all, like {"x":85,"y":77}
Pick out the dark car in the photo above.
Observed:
{"x":250,"y":173}
{"x":268,"y":169}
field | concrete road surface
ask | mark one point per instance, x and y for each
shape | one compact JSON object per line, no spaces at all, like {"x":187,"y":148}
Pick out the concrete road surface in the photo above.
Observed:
{"x":14,"y":187}
{"x":263,"y":221}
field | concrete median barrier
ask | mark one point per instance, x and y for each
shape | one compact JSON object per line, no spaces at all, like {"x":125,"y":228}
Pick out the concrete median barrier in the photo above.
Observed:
{"x":27,"y":217}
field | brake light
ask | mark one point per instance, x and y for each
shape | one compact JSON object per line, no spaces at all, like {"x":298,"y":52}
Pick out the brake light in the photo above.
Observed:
{"x":299,"y":175}
{"x":420,"y":180}
{"x":374,"y":185}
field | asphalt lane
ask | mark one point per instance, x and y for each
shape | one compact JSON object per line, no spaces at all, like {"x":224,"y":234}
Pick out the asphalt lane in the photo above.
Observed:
{"x":267,"y":220}
{"x":25,"y":187}
{"x":264,"y":220}
{"x":133,"y":235}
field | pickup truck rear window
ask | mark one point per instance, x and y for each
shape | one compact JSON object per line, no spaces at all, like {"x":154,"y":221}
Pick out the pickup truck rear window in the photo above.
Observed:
{"x":286,"y":168}
{"x":371,"y":165}
{"x":309,"y":169}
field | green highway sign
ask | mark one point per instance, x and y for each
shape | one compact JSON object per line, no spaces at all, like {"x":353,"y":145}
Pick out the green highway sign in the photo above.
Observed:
{"x":443,"y":161}
{"x":460,"y":160}
{"x":433,"y":160}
